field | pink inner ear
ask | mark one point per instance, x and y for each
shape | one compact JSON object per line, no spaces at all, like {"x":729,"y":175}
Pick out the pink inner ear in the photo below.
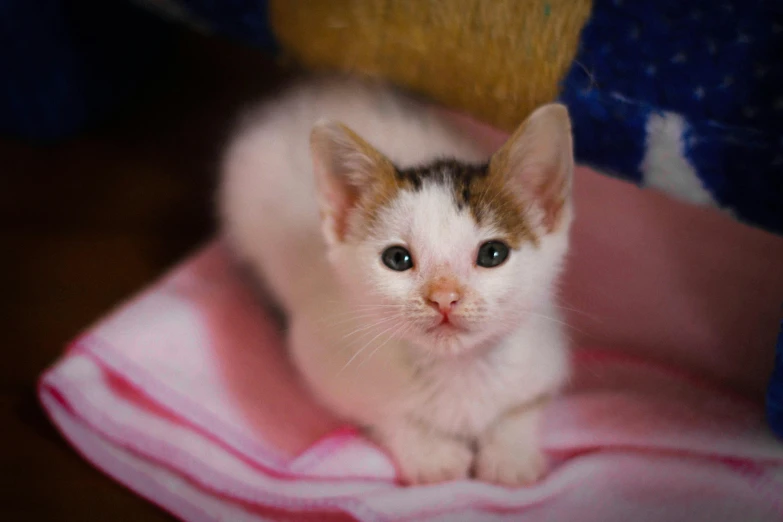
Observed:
{"x":550,"y":191}
{"x":338,"y":206}
{"x":337,"y":196}
{"x":553,"y":213}
{"x":546,"y":189}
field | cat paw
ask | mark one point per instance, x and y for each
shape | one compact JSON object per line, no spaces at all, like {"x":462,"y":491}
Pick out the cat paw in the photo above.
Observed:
{"x":510,"y":453}
{"x":515,"y":464}
{"x":423,"y":457}
{"x":435,"y":460}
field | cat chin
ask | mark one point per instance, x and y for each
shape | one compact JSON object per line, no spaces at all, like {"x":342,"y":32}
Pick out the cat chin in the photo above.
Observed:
{"x":447,"y":343}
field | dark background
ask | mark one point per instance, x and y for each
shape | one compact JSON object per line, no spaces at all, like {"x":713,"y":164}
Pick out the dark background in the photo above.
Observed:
{"x":86,"y":223}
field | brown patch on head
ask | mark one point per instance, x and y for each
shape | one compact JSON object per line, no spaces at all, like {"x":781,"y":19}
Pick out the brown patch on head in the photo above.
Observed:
{"x":475,"y":187}
{"x":491,"y":202}
{"x":368,"y":207}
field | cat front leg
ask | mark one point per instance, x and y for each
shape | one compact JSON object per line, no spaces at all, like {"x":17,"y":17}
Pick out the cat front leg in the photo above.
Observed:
{"x":422,"y":454}
{"x":509,"y":452}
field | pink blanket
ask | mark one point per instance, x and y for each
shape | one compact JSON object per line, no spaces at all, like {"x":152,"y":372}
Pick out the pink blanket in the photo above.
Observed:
{"x":185,"y":394}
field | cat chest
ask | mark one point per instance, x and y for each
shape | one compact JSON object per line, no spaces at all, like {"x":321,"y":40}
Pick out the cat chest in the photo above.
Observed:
{"x":461,"y":401}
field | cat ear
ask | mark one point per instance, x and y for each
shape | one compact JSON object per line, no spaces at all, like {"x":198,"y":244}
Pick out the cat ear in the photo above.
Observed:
{"x":537,"y":163}
{"x":345,"y":166}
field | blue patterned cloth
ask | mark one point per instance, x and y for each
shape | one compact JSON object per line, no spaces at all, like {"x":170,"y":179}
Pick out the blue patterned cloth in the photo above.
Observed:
{"x":715,"y":65}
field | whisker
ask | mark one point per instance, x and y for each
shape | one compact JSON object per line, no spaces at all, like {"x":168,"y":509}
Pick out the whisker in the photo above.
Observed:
{"x":554,"y":320}
{"x":326,"y":321}
{"x":348,"y":319}
{"x":368,"y":326}
{"x":367,"y":309}
{"x":360,"y":350}
{"x":361,"y":305}
{"x":580,"y":312}
{"x":401,"y":328}
{"x":380,"y":305}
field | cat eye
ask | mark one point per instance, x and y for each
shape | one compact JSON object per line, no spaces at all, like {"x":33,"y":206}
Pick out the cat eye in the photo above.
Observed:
{"x":397,"y":258}
{"x":492,"y":254}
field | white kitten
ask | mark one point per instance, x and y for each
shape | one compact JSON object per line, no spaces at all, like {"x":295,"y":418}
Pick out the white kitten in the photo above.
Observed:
{"x":418,"y":277}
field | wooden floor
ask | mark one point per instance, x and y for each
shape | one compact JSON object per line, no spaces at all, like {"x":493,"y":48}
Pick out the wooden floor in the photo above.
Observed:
{"x":86,"y":223}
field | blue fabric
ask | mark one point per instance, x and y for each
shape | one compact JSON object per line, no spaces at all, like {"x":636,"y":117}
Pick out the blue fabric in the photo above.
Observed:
{"x":243,"y":20}
{"x":608,"y":132}
{"x":775,"y":390}
{"x":65,"y":64}
{"x":717,"y":63}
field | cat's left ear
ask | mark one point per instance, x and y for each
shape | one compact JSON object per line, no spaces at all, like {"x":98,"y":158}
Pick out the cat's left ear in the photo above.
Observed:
{"x":537,"y":164}
{"x":345,"y":167}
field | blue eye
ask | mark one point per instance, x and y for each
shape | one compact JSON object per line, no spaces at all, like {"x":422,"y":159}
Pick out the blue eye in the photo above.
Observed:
{"x":397,"y":258}
{"x":492,"y":254}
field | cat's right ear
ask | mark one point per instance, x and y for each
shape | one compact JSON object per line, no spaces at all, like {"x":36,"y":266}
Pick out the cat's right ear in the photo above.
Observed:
{"x":345,"y":166}
{"x":537,"y":164}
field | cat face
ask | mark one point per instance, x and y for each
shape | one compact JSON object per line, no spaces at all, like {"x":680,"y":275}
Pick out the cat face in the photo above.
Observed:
{"x":448,"y":255}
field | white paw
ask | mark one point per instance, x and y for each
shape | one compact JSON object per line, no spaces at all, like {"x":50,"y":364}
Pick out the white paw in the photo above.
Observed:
{"x":510,"y":464}
{"x":510,"y":454}
{"x":428,"y":459}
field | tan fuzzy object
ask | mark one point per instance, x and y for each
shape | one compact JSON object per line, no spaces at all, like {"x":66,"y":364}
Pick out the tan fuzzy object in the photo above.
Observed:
{"x":496,"y":59}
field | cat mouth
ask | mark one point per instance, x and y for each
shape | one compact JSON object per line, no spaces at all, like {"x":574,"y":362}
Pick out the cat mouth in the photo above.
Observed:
{"x":446,"y":324}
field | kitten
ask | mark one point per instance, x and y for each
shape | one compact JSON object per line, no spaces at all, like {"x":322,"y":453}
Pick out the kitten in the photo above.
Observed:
{"x":417,"y":274}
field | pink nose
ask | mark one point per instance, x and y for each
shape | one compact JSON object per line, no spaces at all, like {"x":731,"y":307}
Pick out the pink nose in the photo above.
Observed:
{"x":443,"y":299}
